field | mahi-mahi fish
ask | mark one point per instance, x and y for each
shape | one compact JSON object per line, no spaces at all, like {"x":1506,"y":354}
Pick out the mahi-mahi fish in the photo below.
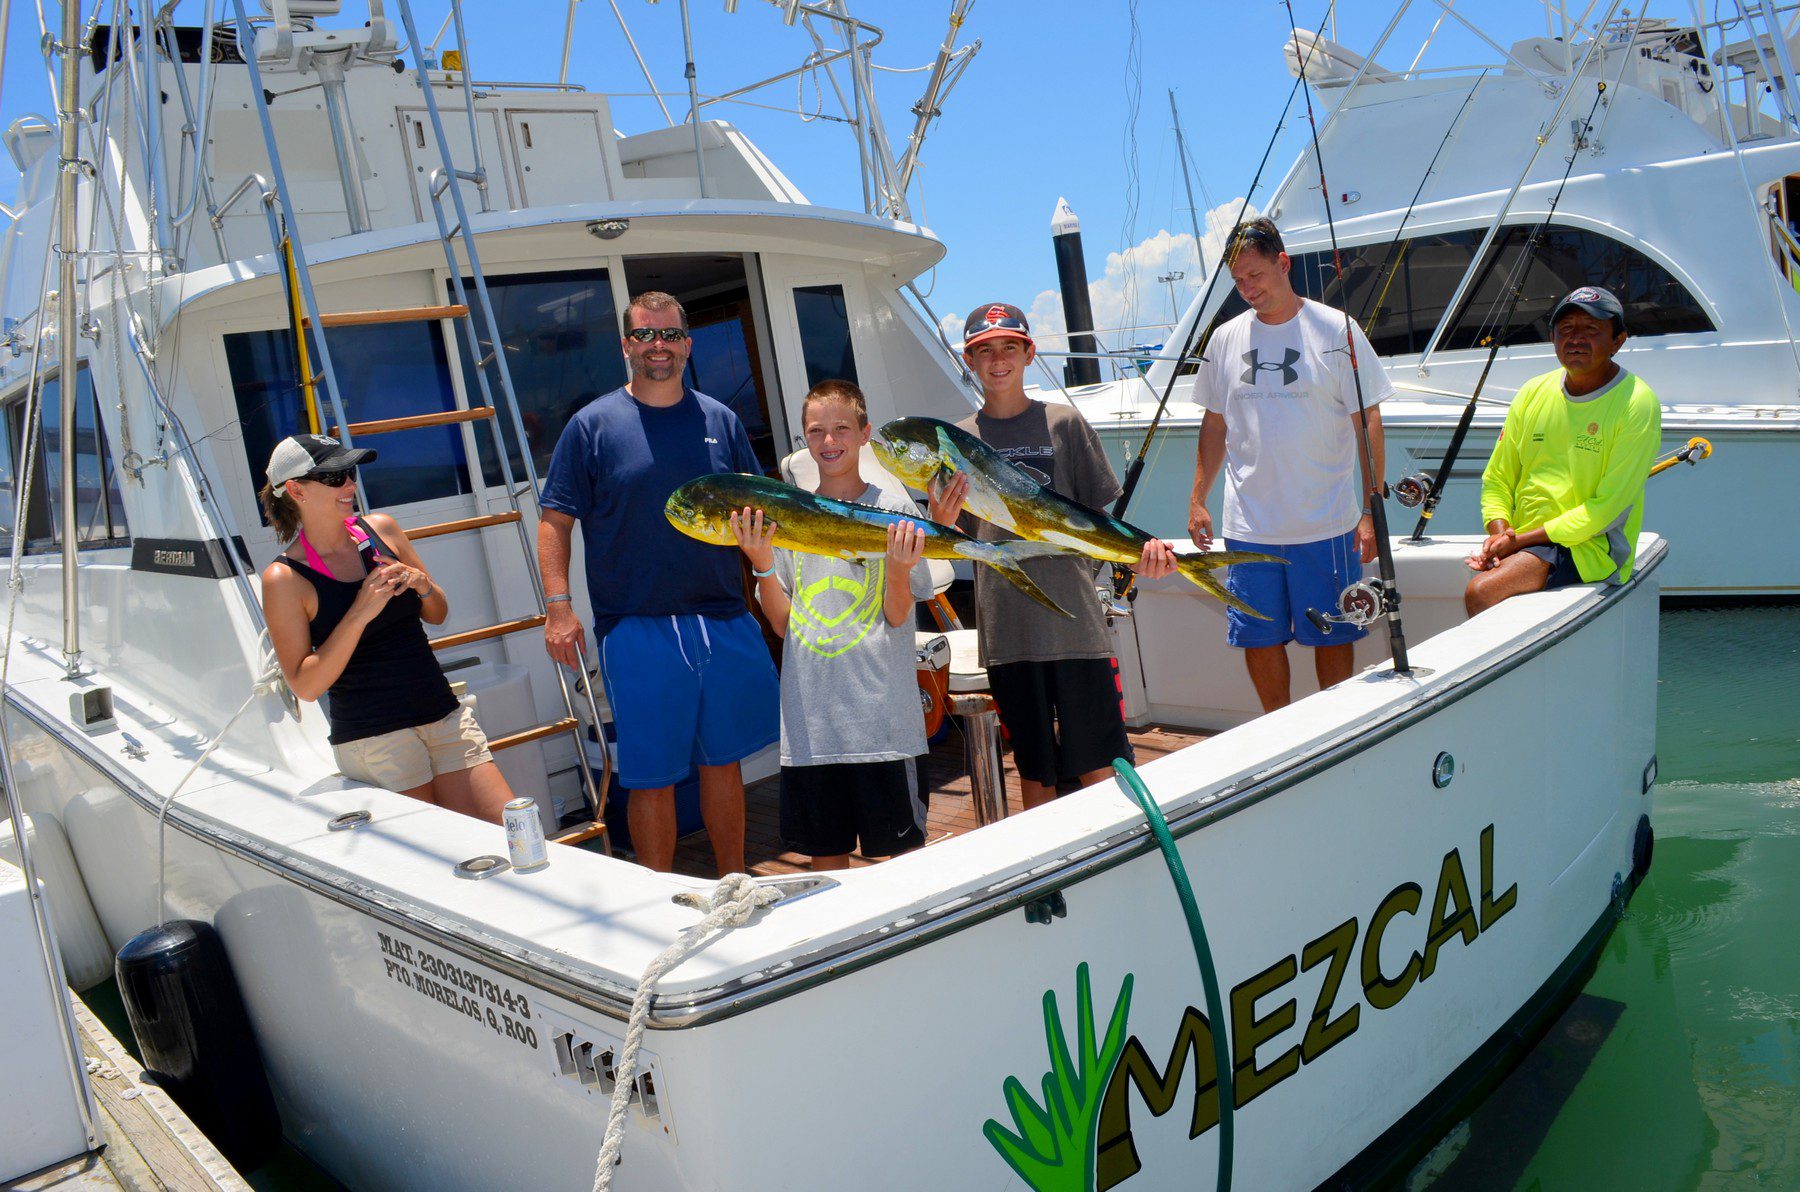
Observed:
{"x":919,"y":450}
{"x":815,"y":525}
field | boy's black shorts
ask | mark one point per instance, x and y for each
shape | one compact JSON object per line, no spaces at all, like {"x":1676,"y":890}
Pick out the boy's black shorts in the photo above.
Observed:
{"x":826,"y":810}
{"x":1063,"y":716}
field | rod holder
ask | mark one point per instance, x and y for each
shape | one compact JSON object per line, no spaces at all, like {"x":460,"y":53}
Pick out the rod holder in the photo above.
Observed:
{"x":981,"y":752}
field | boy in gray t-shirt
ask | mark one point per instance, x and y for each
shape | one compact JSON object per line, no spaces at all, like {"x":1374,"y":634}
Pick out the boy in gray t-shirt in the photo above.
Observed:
{"x":850,"y":716}
{"x":1053,"y":678}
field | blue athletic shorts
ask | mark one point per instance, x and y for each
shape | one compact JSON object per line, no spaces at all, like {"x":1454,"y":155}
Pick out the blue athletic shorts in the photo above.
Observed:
{"x":1563,"y":571}
{"x":688,"y":691}
{"x":1314,"y":575}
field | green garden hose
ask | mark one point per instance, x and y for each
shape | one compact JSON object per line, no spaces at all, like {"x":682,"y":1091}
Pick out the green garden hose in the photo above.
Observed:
{"x":1209,"y":976}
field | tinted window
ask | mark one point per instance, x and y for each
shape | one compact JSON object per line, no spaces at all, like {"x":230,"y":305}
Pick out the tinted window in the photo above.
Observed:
{"x":561,"y":334}
{"x":1566,"y":258}
{"x":37,"y":511}
{"x":383,"y":371}
{"x":825,"y":334}
{"x":9,"y":481}
{"x":99,"y":507}
{"x":1399,"y":292}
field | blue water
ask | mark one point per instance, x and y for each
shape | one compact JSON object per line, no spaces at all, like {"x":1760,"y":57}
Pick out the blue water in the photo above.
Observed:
{"x":1698,"y":1084}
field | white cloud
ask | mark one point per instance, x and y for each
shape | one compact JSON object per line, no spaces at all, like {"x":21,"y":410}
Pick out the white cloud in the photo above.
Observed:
{"x":1130,"y":305}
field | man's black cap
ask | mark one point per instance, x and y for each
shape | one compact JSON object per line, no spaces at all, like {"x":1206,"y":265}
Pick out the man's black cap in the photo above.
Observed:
{"x":1595,"y":301}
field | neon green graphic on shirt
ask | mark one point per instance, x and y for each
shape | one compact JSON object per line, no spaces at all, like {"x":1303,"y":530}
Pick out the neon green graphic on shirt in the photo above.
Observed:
{"x":859,"y":605}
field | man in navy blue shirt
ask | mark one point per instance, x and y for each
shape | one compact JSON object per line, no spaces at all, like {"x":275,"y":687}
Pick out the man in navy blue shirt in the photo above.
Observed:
{"x":687,"y":674}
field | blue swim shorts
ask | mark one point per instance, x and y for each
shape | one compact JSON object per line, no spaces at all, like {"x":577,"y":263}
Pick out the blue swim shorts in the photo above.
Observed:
{"x":1563,"y":571}
{"x":687,"y":691}
{"x":1312,"y":578}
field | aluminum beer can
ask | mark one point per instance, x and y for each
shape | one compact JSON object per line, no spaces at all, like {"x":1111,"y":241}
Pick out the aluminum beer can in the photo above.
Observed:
{"x":525,"y":845}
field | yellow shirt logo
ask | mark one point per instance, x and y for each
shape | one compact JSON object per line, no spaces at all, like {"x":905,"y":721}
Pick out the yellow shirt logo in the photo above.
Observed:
{"x":858,"y":605}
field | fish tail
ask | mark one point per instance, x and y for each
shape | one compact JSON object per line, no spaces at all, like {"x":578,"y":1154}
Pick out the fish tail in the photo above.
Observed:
{"x":1006,"y":558}
{"x":1195,"y":568}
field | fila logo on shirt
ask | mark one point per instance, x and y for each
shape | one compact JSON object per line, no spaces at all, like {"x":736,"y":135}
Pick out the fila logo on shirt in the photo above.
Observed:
{"x":1289,"y":358}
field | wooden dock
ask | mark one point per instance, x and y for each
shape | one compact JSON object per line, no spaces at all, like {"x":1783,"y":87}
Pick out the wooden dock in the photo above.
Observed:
{"x":951,"y":811}
{"x":151,"y":1146}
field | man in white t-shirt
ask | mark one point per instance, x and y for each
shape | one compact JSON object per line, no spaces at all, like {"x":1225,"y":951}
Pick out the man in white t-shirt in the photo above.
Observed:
{"x":1282,"y":419}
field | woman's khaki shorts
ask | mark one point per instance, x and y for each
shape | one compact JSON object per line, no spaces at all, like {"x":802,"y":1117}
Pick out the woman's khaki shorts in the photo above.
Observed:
{"x":412,"y":757}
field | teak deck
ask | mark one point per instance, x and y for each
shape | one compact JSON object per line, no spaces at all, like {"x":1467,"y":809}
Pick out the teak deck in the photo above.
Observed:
{"x":951,"y":810}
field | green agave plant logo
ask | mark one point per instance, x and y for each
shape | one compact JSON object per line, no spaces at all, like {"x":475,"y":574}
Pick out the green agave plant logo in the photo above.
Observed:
{"x":1053,"y":1146}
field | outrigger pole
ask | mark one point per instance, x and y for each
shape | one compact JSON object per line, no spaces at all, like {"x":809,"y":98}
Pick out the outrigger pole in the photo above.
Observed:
{"x":1521,"y":269}
{"x":1391,"y":269}
{"x":1384,"y":550}
{"x":1135,"y":470}
{"x":68,"y":119}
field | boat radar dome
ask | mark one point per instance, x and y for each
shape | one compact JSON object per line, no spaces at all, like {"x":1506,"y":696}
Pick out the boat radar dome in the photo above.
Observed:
{"x":1063,"y":220}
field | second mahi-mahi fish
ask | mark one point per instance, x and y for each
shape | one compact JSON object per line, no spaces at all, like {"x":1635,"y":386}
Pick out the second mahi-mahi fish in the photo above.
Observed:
{"x":815,"y":525}
{"x":920,"y":450}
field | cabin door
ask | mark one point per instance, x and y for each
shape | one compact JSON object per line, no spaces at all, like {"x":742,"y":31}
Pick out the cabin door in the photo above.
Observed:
{"x":731,"y":361}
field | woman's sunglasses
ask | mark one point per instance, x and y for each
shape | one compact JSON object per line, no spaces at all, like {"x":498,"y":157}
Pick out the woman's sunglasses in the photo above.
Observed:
{"x":332,"y":479}
{"x":669,"y":335}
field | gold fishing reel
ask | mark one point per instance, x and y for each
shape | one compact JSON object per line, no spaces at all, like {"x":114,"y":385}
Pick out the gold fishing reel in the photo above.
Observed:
{"x":1696,"y":450}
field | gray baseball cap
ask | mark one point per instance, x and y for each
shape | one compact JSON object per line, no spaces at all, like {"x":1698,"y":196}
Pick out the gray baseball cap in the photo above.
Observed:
{"x":1592,"y":299}
{"x":299,"y":456}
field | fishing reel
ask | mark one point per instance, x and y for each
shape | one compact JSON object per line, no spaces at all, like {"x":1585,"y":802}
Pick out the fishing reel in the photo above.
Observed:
{"x":1117,"y":597}
{"x":1361,"y":604}
{"x":1412,"y":491}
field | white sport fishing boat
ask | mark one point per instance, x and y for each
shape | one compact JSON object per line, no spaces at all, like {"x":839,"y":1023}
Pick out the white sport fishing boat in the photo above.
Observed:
{"x":1683,"y":198}
{"x":1397,"y":895}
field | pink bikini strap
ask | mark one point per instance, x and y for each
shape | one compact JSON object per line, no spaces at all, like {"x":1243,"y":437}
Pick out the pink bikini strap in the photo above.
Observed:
{"x":313,"y":559}
{"x":358,"y":535}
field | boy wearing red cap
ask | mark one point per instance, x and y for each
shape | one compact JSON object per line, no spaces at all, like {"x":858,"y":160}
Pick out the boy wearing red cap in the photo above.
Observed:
{"x":1051,"y":676}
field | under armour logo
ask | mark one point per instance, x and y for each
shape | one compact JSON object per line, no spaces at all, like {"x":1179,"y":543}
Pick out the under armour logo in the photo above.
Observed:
{"x":1289,"y":374}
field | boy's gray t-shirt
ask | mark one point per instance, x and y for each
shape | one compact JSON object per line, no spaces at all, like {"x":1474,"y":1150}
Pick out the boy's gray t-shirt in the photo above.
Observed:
{"x":848,"y":691}
{"x":1056,"y":444}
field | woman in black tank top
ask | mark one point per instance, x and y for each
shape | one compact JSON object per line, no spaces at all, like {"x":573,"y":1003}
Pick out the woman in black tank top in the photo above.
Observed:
{"x":346,"y":606}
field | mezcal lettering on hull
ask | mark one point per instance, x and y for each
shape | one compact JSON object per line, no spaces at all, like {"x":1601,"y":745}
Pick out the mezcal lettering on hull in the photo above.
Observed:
{"x":1454,"y":915}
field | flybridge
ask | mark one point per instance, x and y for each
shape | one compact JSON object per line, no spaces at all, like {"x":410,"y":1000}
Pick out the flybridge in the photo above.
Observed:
{"x":362,"y":156}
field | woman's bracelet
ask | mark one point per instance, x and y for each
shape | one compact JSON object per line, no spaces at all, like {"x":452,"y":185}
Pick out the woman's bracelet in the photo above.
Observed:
{"x":760,"y":574}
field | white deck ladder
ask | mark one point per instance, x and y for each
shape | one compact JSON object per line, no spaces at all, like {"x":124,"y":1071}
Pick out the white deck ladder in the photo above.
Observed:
{"x":594,"y":792}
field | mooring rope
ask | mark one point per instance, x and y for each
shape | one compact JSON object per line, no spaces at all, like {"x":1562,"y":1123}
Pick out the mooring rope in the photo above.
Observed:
{"x":729,"y":905}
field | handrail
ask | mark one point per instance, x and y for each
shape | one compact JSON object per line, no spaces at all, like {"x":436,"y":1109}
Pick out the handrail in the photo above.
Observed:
{"x":217,"y":212}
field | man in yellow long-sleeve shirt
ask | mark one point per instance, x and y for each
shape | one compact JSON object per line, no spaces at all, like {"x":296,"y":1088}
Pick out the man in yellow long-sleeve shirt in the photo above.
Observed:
{"x":1563,"y":493}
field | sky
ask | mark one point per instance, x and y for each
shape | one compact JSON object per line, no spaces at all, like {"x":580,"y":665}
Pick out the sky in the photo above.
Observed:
{"x":1045,"y":111}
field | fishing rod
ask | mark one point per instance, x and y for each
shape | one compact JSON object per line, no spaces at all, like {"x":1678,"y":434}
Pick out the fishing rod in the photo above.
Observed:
{"x":1696,"y":450}
{"x":1411,"y":486}
{"x":1135,"y":470}
{"x":1391,"y":269}
{"x":1385,"y":596}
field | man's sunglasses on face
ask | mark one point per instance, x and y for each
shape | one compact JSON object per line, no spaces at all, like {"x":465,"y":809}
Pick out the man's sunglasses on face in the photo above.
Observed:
{"x":644,"y":335}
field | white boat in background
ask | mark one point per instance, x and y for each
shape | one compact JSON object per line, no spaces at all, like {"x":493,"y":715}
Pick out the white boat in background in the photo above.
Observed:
{"x":1684,"y":198}
{"x":1397,"y":896}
